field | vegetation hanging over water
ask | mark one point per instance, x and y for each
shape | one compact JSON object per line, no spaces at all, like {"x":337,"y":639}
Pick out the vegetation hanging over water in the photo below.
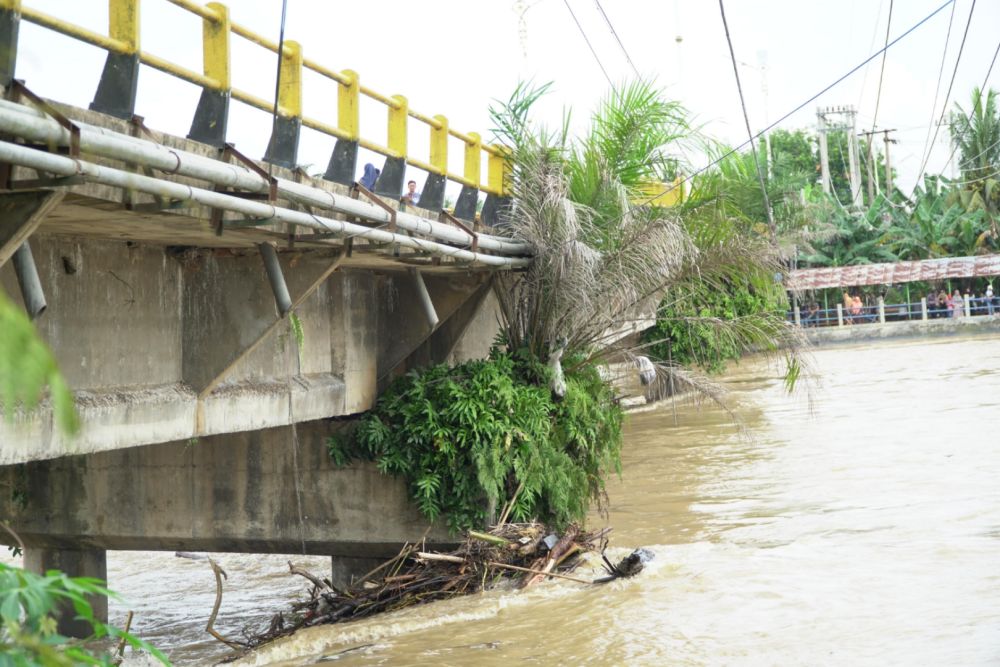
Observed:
{"x":486,"y":437}
{"x":532,"y":432}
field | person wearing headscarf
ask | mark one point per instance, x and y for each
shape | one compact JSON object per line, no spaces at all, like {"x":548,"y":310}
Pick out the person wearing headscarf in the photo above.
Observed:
{"x":370,"y":176}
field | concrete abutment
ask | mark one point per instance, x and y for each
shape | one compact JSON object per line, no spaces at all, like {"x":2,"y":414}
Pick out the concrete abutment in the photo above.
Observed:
{"x":77,"y":563}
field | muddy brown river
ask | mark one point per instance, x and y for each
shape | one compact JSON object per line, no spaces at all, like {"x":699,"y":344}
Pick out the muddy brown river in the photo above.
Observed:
{"x":861,"y":528}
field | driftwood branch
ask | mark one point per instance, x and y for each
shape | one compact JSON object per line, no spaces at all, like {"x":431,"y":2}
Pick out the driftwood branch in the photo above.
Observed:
{"x":210,"y":626}
{"x":558,"y":575}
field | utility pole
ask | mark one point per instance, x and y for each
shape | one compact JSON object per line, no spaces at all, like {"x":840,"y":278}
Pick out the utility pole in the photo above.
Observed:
{"x":824,"y":155}
{"x":888,"y":164}
{"x":852,"y":156}
{"x":873,"y":163}
{"x":848,"y":123}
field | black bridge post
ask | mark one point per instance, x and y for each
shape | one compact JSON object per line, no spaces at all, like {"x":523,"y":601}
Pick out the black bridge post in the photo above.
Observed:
{"x":10,"y":21}
{"x":343,"y":162}
{"x":119,"y":82}
{"x":432,"y":196}
{"x":465,"y":207}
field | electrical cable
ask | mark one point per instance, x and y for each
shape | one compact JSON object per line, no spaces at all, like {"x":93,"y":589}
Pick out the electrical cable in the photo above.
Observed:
{"x":937,"y":86}
{"x":584,"y":34}
{"x":746,"y":119}
{"x":674,"y":186}
{"x":878,"y":98}
{"x":617,"y":39}
{"x":944,"y":108}
{"x":277,"y":78}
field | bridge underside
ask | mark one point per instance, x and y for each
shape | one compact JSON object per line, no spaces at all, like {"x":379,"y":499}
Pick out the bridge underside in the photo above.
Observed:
{"x":205,"y":404}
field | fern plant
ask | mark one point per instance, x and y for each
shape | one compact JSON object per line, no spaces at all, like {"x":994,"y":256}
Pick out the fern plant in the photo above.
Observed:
{"x":27,"y":367}
{"x":487,"y":434}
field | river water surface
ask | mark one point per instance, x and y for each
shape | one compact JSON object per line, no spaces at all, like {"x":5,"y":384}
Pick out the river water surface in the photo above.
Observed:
{"x":861,"y":529}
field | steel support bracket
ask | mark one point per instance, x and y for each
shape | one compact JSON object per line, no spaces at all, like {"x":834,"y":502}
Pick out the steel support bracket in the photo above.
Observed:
{"x":375,"y":199}
{"x":228,"y":152}
{"x":18,"y":90}
{"x":445,"y":216}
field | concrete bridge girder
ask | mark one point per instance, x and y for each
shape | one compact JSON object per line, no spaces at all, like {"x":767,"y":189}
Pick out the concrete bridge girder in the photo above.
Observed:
{"x":165,"y":344}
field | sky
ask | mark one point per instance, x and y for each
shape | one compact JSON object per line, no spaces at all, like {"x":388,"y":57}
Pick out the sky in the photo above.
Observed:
{"x":456,"y":58}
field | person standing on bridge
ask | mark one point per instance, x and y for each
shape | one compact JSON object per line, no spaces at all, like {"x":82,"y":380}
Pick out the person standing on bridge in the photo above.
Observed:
{"x":989,"y":298}
{"x":411,"y":196}
{"x":957,"y":305}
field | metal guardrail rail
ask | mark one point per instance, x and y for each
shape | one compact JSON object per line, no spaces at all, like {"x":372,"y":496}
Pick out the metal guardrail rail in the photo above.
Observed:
{"x":116,"y":95}
{"x":889,"y":312}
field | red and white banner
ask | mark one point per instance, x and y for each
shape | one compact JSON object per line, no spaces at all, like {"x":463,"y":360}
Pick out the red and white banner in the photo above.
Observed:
{"x":930,"y":270}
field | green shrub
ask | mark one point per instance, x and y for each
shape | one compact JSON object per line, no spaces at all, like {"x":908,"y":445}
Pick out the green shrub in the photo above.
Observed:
{"x":468,"y":439}
{"x":28,"y":604}
{"x":707,"y":326}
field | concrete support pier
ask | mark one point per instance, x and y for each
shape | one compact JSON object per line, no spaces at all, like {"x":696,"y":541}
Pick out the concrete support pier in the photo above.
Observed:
{"x":75,"y":563}
{"x":345,"y":570}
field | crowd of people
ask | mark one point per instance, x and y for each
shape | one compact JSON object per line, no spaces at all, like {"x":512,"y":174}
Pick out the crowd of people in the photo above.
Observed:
{"x":943,"y":304}
{"x":939,"y":305}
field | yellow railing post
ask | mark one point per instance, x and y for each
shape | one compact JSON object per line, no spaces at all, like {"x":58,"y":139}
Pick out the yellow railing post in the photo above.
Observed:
{"x":290,"y":92}
{"x":10,"y":21}
{"x":497,"y":170}
{"x":398,"y":117}
{"x":348,"y":107}
{"x":390,"y":181}
{"x":344,"y":161}
{"x":432,"y":195}
{"x":215,"y":46}
{"x":473,"y":159}
{"x":123,"y":23}
{"x":439,"y":146}
{"x":116,"y":91}
{"x":212,"y":115}
{"x":284,"y":146}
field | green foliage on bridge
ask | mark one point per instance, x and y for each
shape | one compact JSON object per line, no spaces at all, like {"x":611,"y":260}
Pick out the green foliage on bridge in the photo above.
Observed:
{"x":474,"y":440}
{"x":27,"y":368}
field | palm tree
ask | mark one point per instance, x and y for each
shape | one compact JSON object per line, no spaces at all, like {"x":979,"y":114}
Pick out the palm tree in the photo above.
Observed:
{"x":602,"y":260}
{"x":977,"y":135}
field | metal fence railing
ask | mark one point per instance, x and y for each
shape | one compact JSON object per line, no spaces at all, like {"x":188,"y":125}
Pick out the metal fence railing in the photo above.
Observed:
{"x":116,"y":95}
{"x":881,"y":312}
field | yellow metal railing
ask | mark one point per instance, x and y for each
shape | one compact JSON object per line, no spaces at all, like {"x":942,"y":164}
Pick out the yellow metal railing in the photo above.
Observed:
{"x":123,"y":38}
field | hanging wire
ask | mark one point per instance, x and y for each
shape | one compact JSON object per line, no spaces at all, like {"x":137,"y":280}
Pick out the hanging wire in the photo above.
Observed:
{"x":746,"y":119}
{"x":686,"y":179}
{"x":277,"y":78}
{"x":871,"y":166}
{"x":617,"y":39}
{"x":944,"y":108}
{"x":937,"y":86}
{"x":580,"y":27}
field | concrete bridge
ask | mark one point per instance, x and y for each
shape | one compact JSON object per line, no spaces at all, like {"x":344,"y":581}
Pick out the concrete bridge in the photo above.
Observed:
{"x":217,"y":317}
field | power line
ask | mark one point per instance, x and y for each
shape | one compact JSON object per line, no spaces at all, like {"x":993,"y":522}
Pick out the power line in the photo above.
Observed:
{"x":972,"y":110}
{"x":617,"y":39}
{"x":878,"y":98}
{"x":881,"y":75}
{"x":277,"y":79}
{"x":599,"y":63}
{"x":937,"y":87}
{"x":944,"y":108}
{"x":746,"y":119}
{"x":801,"y":106}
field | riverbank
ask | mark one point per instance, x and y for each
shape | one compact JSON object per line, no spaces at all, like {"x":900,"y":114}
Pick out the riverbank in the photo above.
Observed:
{"x":962,"y":326}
